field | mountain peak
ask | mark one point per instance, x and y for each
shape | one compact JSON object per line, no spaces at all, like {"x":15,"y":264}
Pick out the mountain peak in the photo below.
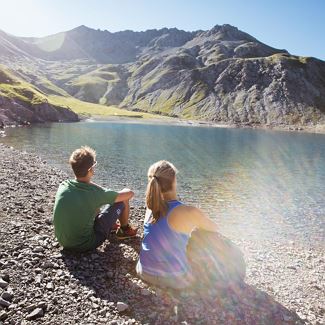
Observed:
{"x":82,"y":28}
{"x":223,"y":28}
{"x":230,"y":33}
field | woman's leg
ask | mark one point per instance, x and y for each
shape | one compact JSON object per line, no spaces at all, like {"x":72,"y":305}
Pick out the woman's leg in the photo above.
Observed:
{"x":178,"y":283}
{"x":215,"y":260}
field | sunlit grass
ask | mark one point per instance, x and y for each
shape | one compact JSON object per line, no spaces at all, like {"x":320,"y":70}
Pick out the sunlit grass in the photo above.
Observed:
{"x":91,"y":109}
{"x":14,"y":87}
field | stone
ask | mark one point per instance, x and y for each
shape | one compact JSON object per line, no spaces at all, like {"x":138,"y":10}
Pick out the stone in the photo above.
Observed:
{"x":38,"y":278}
{"x":5,"y":277}
{"x":3,"y":284}
{"x":109,"y":275}
{"x":121,"y":306}
{"x":4,"y":303}
{"x":36,"y":313}
{"x":49,"y":286}
{"x":48,"y":265}
{"x":3,"y":315}
{"x":42,"y":304}
{"x":48,"y":221}
{"x":292,"y":267}
{"x":145,"y":292}
{"x":287,"y":318}
{"x":38,"y":249}
{"x":7,"y":296}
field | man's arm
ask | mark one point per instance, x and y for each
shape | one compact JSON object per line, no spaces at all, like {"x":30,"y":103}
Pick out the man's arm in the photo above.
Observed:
{"x":124,"y":195}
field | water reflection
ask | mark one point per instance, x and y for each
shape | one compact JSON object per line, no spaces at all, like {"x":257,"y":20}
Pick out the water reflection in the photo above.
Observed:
{"x":254,"y":183}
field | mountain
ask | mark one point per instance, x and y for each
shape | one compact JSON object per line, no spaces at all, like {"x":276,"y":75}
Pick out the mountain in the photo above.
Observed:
{"x":223,"y":75}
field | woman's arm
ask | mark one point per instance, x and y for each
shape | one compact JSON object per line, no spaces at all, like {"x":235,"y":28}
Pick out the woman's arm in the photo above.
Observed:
{"x":185,"y":219}
{"x":201,"y":221}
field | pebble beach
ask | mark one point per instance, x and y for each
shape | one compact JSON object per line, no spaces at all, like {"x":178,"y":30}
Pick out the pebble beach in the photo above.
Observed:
{"x":41,"y":283}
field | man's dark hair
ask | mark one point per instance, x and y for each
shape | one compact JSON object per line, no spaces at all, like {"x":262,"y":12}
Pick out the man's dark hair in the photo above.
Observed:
{"x":81,"y":160}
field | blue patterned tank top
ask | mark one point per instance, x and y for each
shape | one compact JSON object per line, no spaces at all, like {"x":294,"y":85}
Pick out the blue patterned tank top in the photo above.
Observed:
{"x":163,"y":250}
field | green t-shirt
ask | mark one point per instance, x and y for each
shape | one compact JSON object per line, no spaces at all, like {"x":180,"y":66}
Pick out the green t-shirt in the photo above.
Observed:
{"x":75,"y":208}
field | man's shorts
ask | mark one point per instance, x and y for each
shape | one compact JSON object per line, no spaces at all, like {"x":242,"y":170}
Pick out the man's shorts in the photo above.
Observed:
{"x":105,"y":221}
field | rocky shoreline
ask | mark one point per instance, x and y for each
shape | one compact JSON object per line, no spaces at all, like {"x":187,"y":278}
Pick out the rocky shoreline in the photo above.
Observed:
{"x":316,"y":129}
{"x":313,"y":129}
{"x":41,"y":283}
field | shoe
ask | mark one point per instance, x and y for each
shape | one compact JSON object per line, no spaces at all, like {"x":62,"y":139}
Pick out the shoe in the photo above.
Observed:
{"x":126,"y":233}
{"x":115,"y":228}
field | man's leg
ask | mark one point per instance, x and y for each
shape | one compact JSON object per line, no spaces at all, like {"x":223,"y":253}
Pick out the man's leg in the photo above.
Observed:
{"x":125,"y":231}
{"x":124,"y":217}
{"x":106,"y":219}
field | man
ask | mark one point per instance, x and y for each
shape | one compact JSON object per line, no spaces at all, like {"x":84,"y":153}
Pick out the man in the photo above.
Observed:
{"x":79,"y":224}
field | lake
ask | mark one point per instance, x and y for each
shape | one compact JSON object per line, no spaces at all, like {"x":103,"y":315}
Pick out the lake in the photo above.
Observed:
{"x":258,"y":184}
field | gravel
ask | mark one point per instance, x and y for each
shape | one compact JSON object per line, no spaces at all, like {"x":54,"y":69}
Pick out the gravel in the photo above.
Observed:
{"x":40,"y":282}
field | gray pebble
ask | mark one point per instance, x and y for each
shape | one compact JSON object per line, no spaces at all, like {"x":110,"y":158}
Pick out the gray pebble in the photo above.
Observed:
{"x":3,"y":284}
{"x":3,"y":315}
{"x":4,"y":303}
{"x":7,"y":296}
{"x":36,"y":313}
{"x":121,"y":306}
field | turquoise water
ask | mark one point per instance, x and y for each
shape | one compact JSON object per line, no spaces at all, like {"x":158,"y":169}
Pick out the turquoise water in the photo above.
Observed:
{"x":254,"y":183}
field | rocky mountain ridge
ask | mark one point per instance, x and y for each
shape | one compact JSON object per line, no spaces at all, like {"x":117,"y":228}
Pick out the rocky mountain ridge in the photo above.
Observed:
{"x":223,"y":75}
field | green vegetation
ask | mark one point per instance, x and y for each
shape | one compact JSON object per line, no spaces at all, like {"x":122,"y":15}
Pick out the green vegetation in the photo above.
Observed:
{"x":190,"y":108}
{"x":49,"y":88}
{"x":13,"y":87}
{"x":149,"y":82}
{"x":93,"y":85}
{"x":293,"y":60}
{"x":91,"y":109}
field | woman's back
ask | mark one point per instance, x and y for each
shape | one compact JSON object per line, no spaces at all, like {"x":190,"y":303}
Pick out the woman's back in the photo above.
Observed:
{"x":163,"y":251}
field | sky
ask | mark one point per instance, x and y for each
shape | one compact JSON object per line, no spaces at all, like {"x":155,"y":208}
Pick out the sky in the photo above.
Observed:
{"x":295,"y":25}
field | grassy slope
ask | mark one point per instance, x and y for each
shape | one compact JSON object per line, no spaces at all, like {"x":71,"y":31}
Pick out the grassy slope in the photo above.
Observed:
{"x":14,"y":87}
{"x":91,"y":109}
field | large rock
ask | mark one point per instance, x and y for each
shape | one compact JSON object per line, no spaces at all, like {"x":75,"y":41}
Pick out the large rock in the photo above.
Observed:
{"x":13,"y":111}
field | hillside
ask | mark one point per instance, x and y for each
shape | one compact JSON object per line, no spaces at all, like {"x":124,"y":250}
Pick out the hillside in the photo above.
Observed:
{"x":220,"y":75}
{"x":22,"y":103}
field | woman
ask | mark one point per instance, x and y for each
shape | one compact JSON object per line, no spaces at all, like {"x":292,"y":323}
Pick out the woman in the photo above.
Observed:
{"x":168,"y":226}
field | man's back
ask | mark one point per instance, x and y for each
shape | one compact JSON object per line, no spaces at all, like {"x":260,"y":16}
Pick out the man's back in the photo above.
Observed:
{"x":76,"y":204}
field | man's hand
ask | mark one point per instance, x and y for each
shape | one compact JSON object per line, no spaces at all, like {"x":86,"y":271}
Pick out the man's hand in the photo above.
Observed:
{"x":124,"y":195}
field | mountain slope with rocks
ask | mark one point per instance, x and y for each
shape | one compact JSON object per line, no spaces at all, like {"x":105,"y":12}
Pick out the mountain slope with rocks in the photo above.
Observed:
{"x":22,"y":103}
{"x":222,"y":75}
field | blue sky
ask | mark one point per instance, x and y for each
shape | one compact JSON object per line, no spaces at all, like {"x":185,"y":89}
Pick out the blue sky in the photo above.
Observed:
{"x":296,"y":25}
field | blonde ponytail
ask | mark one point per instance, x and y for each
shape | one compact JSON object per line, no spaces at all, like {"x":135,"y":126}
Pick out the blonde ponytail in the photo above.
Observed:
{"x":161,"y":176}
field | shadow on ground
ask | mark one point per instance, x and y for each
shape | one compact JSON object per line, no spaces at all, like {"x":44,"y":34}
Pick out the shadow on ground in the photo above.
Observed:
{"x":109,"y":274}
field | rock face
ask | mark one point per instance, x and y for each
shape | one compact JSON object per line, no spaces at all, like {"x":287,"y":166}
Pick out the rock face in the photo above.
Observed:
{"x":222,"y":75}
{"x":15,"y":112}
{"x":279,"y":89}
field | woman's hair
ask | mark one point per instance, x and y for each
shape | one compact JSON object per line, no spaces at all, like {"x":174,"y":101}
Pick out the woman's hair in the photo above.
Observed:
{"x":161,"y":176}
